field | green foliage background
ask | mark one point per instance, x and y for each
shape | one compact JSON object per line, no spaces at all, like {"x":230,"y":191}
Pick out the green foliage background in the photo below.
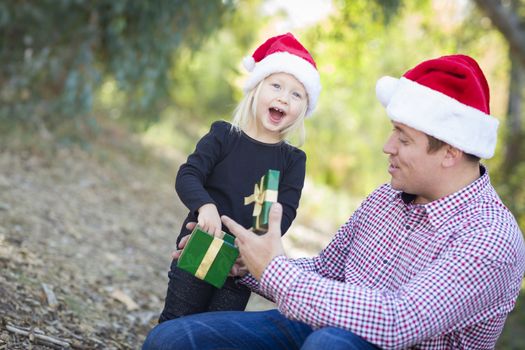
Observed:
{"x":56,"y":54}
{"x":166,"y":69}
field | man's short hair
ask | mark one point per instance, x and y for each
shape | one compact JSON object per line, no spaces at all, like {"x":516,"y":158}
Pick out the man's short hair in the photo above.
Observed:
{"x":434,"y":145}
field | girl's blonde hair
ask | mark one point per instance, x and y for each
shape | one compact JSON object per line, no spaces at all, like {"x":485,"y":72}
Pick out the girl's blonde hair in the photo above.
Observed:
{"x":246,"y":112}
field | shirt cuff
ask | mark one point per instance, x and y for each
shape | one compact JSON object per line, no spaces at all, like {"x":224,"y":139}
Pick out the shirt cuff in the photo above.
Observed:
{"x":199,"y":204}
{"x":249,"y":281}
{"x":278,"y":277}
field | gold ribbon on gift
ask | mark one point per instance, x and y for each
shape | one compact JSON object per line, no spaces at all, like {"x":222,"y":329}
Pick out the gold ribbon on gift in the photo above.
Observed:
{"x":259,"y":197}
{"x":209,"y":257}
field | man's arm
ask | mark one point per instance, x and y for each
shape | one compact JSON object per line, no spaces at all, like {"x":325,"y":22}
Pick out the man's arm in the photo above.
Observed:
{"x":444,"y":297}
{"x":329,"y":263}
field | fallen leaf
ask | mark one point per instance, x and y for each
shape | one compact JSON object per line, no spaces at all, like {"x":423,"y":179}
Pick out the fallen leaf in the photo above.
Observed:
{"x":121,"y":296}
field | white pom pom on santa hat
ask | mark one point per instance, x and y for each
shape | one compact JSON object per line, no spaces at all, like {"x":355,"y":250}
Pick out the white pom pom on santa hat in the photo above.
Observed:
{"x":249,"y":63}
{"x":385,"y":88}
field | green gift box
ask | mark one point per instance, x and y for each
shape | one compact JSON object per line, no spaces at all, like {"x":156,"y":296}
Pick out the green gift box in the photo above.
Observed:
{"x":264,"y":194}
{"x":207,"y":257}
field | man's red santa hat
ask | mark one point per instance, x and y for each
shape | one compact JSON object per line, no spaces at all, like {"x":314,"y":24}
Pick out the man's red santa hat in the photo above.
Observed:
{"x":447,"y":98}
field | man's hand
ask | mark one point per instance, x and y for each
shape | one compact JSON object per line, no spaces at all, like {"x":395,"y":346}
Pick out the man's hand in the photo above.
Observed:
{"x":258,"y":251}
{"x":209,"y":219}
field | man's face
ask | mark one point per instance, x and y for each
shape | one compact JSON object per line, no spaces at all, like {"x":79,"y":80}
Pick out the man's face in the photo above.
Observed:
{"x":412,"y":168}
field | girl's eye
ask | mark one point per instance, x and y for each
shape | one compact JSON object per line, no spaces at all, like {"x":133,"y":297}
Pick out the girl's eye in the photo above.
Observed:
{"x":275,"y":85}
{"x":297,"y":95}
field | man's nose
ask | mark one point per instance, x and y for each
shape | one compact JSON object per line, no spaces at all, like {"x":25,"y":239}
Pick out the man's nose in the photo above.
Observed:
{"x":388,"y":147}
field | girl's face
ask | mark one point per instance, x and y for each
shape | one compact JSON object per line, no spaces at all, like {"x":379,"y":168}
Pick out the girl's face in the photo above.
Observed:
{"x":281,"y":100}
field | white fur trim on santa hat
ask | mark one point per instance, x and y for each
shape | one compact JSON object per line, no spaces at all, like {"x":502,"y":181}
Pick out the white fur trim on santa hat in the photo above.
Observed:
{"x":284,"y":62}
{"x":438,"y":115}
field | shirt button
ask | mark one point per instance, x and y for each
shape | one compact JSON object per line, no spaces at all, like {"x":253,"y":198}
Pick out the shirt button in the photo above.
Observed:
{"x":385,"y":261}
{"x":407,"y":227}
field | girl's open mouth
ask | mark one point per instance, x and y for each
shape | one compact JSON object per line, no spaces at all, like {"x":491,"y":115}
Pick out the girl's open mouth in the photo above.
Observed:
{"x":276,"y":114}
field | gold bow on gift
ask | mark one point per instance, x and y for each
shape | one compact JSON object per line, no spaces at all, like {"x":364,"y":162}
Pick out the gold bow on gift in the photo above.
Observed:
{"x":259,"y":197}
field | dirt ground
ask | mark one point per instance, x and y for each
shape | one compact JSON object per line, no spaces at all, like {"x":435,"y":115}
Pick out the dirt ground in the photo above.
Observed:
{"x":85,"y":243}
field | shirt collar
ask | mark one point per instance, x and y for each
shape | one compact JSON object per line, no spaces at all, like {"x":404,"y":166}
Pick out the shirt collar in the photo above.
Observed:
{"x":440,"y":210}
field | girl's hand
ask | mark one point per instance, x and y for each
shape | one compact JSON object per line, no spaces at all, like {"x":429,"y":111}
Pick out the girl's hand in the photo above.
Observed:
{"x":209,"y":219}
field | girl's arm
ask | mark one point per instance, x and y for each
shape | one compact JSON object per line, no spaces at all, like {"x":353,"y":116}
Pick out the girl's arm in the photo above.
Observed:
{"x":192,"y":175}
{"x":290,"y":188}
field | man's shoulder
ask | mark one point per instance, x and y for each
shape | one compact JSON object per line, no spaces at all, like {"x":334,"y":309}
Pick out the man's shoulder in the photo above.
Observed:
{"x":489,"y":208}
{"x":487,"y":221}
{"x":384,"y":192}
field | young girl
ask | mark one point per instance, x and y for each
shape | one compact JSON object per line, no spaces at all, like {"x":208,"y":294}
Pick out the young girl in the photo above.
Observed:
{"x":280,"y":92}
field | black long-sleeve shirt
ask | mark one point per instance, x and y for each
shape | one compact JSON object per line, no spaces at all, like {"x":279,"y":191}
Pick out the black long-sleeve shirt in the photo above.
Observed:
{"x":224,"y":169}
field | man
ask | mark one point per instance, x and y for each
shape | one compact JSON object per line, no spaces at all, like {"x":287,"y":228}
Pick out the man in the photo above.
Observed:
{"x":433,"y":260}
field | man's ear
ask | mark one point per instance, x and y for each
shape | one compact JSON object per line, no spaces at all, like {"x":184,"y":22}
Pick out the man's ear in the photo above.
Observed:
{"x":452,"y":156}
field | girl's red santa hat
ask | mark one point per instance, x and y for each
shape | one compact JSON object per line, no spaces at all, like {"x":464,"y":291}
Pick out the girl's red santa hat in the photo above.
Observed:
{"x":447,"y":98}
{"x":284,"y":54}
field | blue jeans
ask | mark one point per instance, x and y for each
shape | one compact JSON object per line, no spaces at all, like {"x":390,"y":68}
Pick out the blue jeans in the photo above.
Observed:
{"x":248,"y":330}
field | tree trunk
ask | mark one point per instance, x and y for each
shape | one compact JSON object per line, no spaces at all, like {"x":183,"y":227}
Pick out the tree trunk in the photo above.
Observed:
{"x":515,"y":131}
{"x":512,"y":170}
{"x":505,"y":17}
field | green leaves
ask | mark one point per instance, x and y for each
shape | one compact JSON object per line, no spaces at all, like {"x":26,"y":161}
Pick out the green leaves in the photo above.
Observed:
{"x":55,"y":54}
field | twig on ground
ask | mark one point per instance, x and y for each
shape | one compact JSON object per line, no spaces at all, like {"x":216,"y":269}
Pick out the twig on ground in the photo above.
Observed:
{"x":50,"y":295}
{"x":40,"y":337}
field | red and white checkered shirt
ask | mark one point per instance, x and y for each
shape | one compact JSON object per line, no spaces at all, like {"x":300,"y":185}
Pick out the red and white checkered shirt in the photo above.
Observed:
{"x":443,"y":275}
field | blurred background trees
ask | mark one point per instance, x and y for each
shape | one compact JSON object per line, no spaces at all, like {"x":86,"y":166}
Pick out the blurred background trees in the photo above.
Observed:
{"x":508,"y":17}
{"x":56,"y":54}
{"x":166,"y":69}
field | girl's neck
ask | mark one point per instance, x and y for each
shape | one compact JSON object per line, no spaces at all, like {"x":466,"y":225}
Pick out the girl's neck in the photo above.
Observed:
{"x":252,"y":131}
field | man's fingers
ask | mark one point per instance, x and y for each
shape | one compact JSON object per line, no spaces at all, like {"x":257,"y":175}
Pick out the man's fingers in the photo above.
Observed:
{"x":183,"y":241}
{"x":234,"y":271}
{"x":235,"y":228}
{"x":274,"y":219}
{"x":176,"y":254}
